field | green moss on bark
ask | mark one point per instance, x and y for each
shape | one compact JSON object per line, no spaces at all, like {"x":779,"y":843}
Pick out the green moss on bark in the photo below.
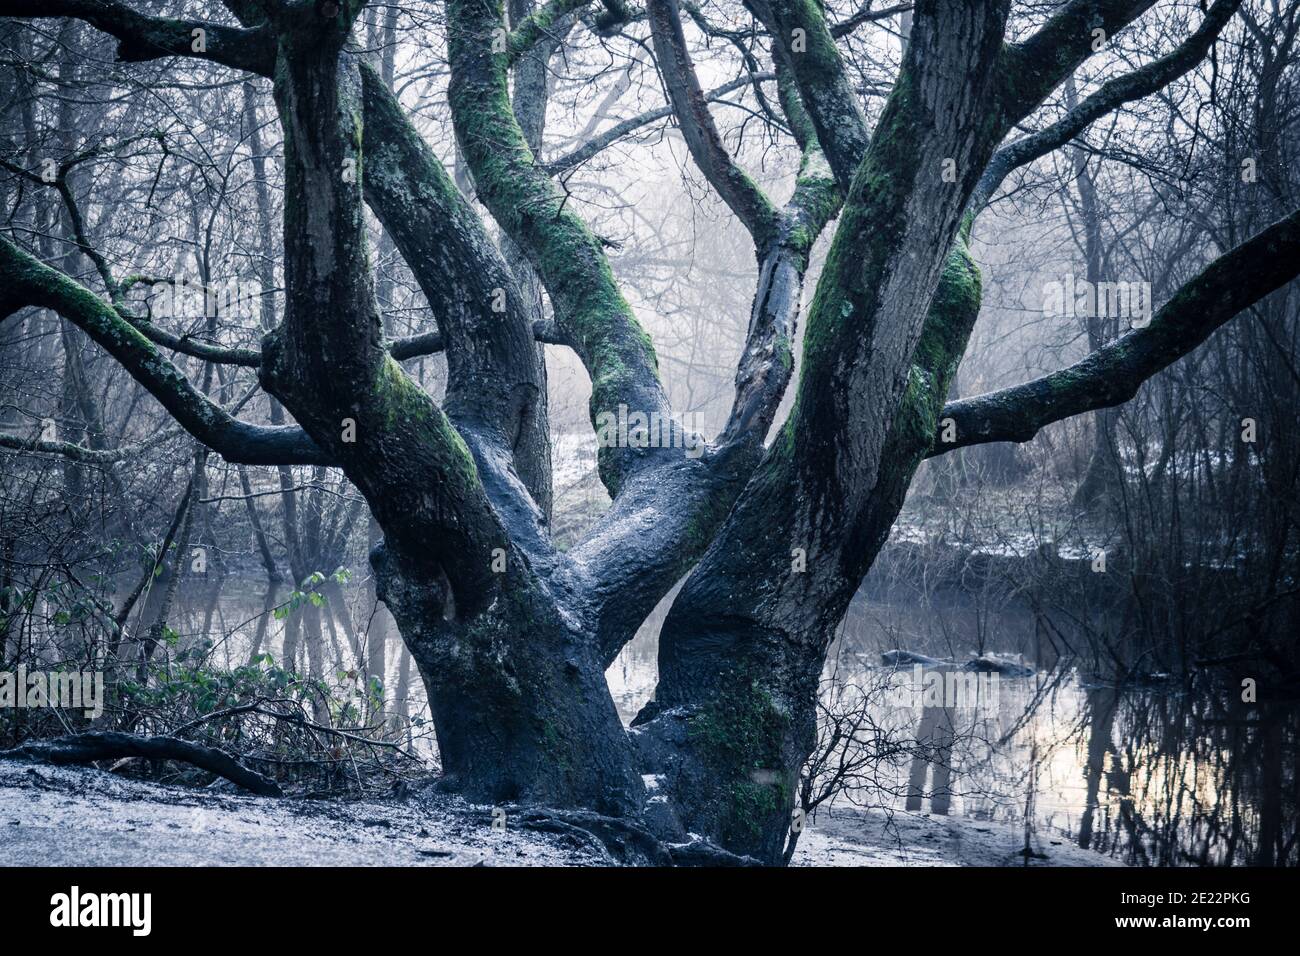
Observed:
{"x":741,"y":736}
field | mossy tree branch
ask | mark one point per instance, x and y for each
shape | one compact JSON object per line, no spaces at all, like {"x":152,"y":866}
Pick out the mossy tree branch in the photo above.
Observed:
{"x":803,"y":43}
{"x":1113,"y":374}
{"x":28,"y":282}
{"x":483,"y":321}
{"x":589,"y":308}
{"x":1028,"y":71}
{"x":327,"y":361}
{"x":533,"y":28}
{"x":143,"y":37}
{"x":1126,"y":88}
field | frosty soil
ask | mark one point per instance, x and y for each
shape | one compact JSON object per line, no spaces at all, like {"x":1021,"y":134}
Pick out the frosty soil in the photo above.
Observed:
{"x":61,"y":816}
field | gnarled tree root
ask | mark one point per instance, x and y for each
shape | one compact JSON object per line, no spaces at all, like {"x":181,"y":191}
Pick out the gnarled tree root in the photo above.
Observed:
{"x":624,"y":842}
{"x":109,"y":745}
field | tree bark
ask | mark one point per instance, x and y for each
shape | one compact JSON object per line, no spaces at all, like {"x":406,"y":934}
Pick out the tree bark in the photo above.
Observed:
{"x":510,"y":636}
{"x":742,"y":649}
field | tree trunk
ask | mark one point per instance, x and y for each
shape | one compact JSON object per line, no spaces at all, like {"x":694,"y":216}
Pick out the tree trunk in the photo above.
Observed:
{"x":1101,"y":479}
{"x":1102,"y":704}
{"x":519,"y":700}
{"x":517,"y":689}
{"x":742,"y":650}
{"x":377,"y":638}
{"x":510,"y":635}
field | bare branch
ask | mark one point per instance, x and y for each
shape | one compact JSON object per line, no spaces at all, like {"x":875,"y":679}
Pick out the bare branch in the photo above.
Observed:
{"x":1112,"y":375}
{"x":628,"y":126}
{"x":26,"y":281}
{"x":89,"y":456}
{"x":1116,"y":92}
{"x":741,"y":194}
{"x":865,"y":14}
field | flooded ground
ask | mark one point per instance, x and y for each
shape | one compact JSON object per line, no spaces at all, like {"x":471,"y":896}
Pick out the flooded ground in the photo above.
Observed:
{"x":1164,"y":775}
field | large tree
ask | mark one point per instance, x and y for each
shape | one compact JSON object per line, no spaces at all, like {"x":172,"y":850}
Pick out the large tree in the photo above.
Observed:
{"x":512,"y":635}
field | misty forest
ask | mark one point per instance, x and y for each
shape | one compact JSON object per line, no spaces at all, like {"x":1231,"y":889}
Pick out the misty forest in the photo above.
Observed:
{"x":659,"y":432}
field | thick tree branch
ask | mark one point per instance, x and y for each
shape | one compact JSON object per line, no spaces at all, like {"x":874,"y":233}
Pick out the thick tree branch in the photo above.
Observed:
{"x":741,"y":194}
{"x":328,"y":362}
{"x":635,"y":563}
{"x":823,"y":85}
{"x":765,"y":365}
{"x":1113,"y":374}
{"x":1030,"y":70}
{"x":1116,"y":92}
{"x":27,"y":282}
{"x":539,"y":24}
{"x":142,"y":37}
{"x":89,"y":456}
{"x":483,"y":321}
{"x":589,"y":308}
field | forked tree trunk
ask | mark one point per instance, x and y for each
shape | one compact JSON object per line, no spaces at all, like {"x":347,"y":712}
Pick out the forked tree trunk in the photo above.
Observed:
{"x":512,"y":637}
{"x":516,"y":683}
{"x":518,"y":695}
{"x":742,"y":650}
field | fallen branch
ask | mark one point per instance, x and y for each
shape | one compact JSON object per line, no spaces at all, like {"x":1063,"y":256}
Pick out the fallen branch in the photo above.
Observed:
{"x":85,"y":748}
{"x":704,"y":853}
{"x":299,"y":719}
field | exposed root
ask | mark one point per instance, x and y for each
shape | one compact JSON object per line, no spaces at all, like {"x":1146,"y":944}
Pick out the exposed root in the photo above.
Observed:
{"x":623,"y":842}
{"x":107,"y":745}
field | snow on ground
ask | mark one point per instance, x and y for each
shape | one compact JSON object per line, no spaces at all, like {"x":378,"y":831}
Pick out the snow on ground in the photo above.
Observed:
{"x":63,"y":816}
{"x":852,"y":837}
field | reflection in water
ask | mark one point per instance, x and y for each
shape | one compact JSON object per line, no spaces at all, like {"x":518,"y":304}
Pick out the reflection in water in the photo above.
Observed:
{"x":936,"y":735}
{"x":1168,"y":777}
{"x":330,"y":642}
{"x":1180,"y":777}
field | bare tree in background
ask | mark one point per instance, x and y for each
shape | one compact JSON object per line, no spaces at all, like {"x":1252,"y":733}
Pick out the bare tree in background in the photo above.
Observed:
{"x":512,"y":635}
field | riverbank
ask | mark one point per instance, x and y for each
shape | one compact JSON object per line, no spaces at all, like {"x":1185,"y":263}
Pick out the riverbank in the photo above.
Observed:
{"x":64,"y":816}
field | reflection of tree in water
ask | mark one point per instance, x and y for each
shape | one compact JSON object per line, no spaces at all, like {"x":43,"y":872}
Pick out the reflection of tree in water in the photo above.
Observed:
{"x":1151,"y":777}
{"x":1198,"y":778}
{"x":1173,"y":769}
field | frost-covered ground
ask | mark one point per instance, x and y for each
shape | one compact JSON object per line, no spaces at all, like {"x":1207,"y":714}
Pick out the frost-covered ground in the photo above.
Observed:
{"x":851,"y":837}
{"x":60,"y":816}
